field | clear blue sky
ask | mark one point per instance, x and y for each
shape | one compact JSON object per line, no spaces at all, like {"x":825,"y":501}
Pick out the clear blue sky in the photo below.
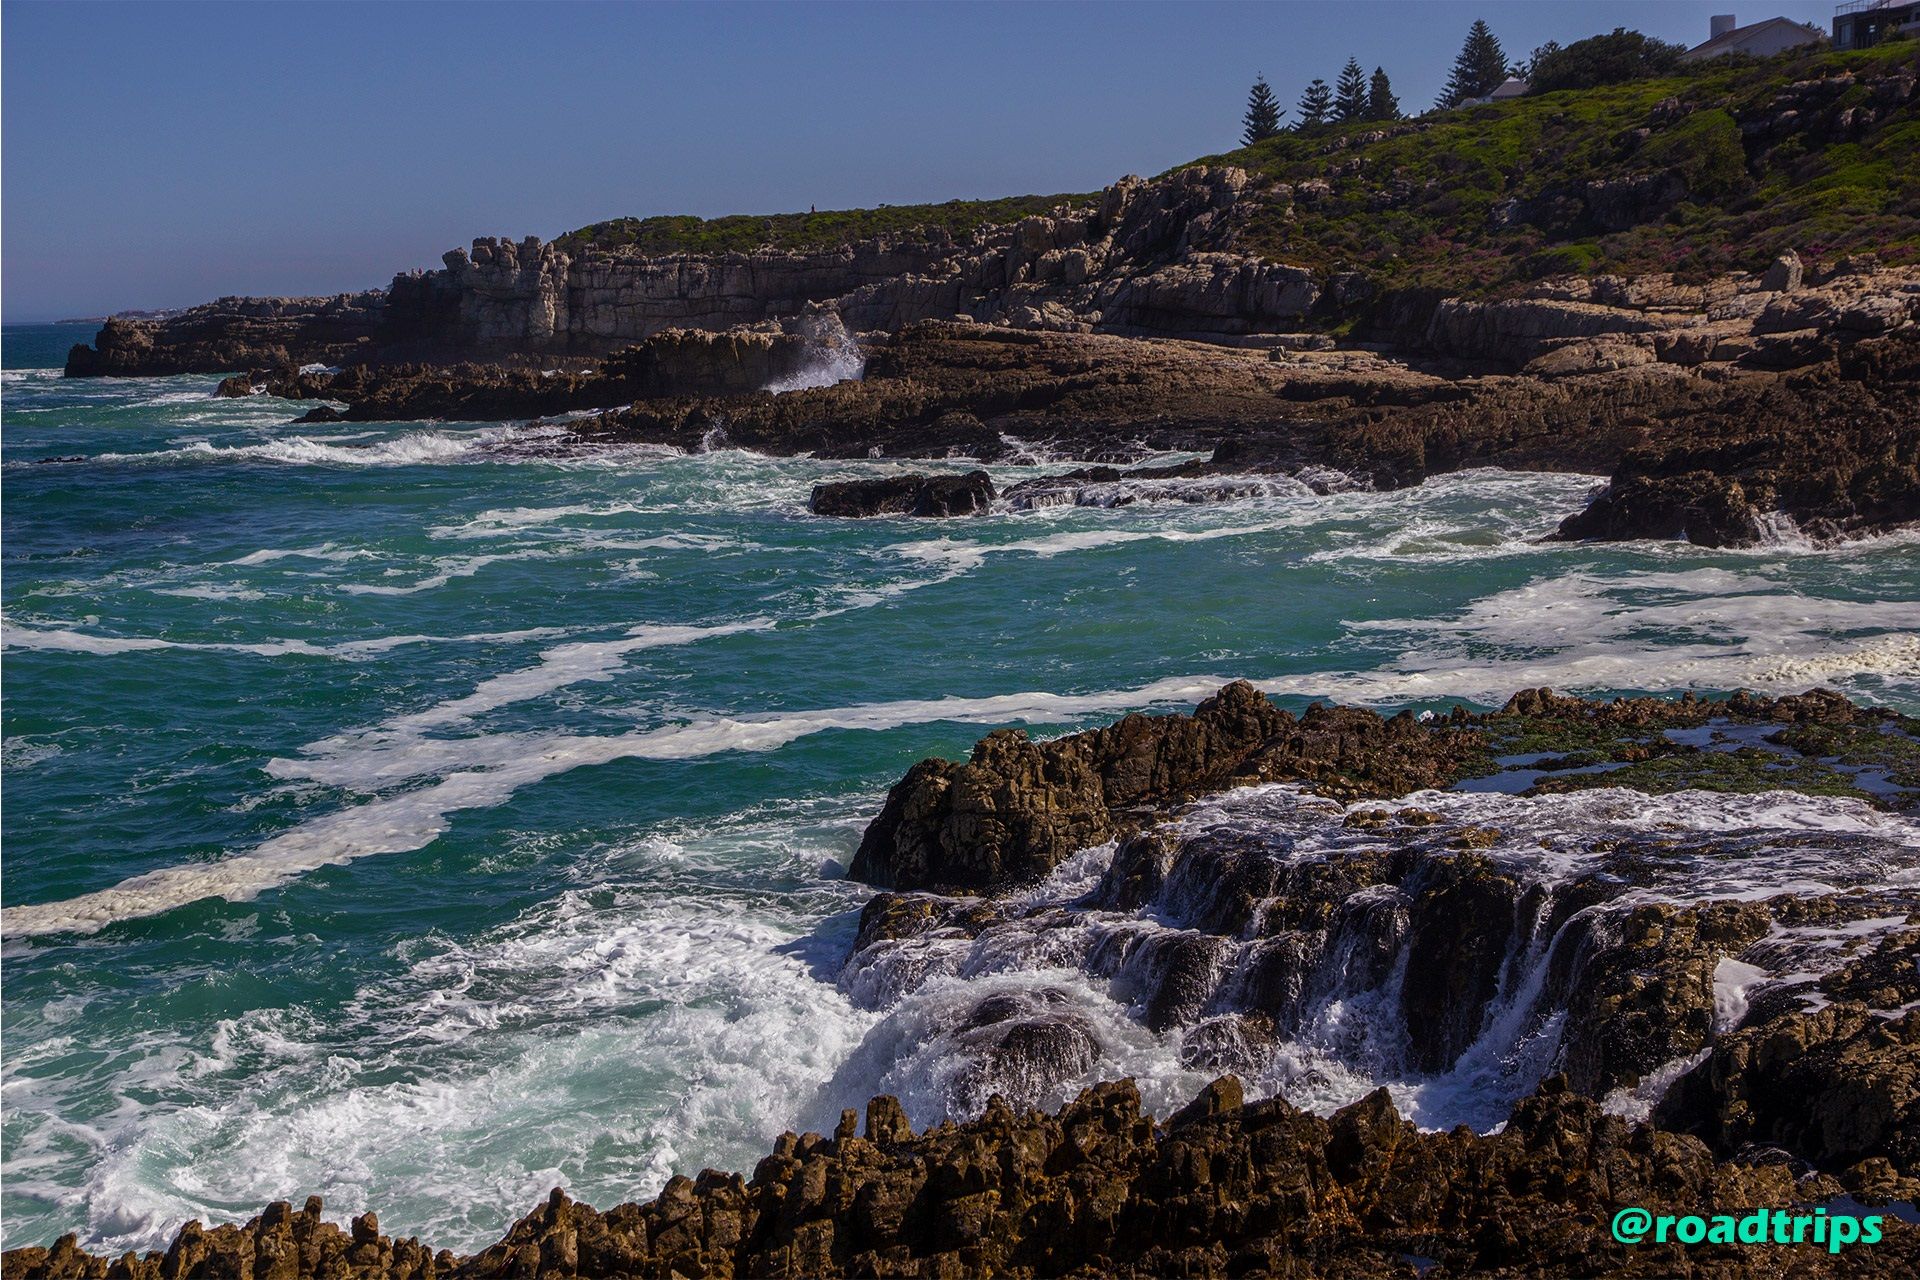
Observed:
{"x":160,"y":154}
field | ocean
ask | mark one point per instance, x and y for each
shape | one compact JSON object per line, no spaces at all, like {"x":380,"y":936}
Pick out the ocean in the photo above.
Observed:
{"x":421,"y":817}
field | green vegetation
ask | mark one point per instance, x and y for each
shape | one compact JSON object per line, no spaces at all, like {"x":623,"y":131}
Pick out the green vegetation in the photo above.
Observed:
{"x":1487,"y":197}
{"x":1893,"y":750}
{"x":1350,"y":93}
{"x":743,"y":233}
{"x":1382,"y":104}
{"x":1483,"y":199}
{"x":1746,"y":770}
{"x":1616,"y":58}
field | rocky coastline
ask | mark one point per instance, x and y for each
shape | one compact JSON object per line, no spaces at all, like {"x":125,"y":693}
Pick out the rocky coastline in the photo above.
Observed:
{"x":1725,"y":431}
{"x":1220,"y":308}
{"x":1725,"y":415}
{"x":1668,"y":1087}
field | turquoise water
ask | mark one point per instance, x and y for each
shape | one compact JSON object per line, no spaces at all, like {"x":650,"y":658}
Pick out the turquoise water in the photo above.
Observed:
{"x":408,"y":815}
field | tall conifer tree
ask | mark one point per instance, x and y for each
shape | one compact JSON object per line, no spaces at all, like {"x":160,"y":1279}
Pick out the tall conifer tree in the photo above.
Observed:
{"x":1315,"y":104}
{"x":1381,"y":103}
{"x":1479,"y":69}
{"x":1350,"y":93}
{"x":1262,"y":120}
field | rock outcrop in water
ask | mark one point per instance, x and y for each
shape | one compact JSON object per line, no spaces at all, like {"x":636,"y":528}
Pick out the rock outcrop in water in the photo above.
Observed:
{"x":912,"y":495}
{"x":1013,"y":811}
{"x":1731,"y":403}
{"x":1144,"y":257}
{"x":1017,"y":808}
{"x":1769,"y":971}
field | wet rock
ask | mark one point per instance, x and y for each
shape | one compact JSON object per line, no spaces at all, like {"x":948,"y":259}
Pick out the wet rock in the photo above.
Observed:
{"x":1021,"y":1046}
{"x":1462,"y":930}
{"x":1835,"y":1084}
{"x":910,"y":495}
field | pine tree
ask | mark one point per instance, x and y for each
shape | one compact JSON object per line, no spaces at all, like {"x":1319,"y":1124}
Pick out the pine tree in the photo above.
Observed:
{"x":1381,"y":104}
{"x":1350,"y":94}
{"x":1315,"y":103}
{"x":1263,"y":114}
{"x":1479,"y":69}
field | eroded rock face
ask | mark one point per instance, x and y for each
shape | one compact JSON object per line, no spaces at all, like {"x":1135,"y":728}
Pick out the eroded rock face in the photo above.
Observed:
{"x":236,"y":333}
{"x":1147,"y":257}
{"x":1834,"y":449}
{"x":913,"y":495}
{"x":1224,"y":1188}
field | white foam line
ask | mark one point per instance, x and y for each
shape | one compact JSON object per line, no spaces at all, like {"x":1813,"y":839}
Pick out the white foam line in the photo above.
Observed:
{"x":410,"y":449}
{"x":961,"y":556}
{"x":1652,"y":668}
{"x":413,"y":819}
{"x":326,"y":551}
{"x":558,"y":667}
{"x":64,"y":640}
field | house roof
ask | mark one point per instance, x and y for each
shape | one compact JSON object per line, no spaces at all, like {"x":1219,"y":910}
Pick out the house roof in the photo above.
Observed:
{"x":1734,"y":39}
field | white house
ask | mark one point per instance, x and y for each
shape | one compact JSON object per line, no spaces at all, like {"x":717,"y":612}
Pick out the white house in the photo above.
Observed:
{"x":1757,"y":39}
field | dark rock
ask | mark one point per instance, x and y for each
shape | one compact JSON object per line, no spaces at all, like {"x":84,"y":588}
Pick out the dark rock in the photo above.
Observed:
{"x":912,"y":495}
{"x":1100,"y":1189}
{"x":1017,"y":808}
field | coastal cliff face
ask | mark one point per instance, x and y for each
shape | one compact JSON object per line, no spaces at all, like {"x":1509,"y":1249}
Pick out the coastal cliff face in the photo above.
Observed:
{"x":1144,"y":259}
{"x":1376,"y":229}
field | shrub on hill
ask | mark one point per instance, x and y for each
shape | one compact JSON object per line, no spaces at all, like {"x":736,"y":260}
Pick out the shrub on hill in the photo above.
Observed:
{"x":1615,"y":58}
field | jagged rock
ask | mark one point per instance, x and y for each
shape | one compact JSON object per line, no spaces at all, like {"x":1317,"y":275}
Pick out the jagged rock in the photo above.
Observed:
{"x":1519,"y":330}
{"x":1014,"y":810}
{"x":1834,"y":1084}
{"x":1225,"y":1188}
{"x":912,"y":495}
{"x":1018,"y":807}
{"x":1590,"y":355}
{"x":1616,"y":204}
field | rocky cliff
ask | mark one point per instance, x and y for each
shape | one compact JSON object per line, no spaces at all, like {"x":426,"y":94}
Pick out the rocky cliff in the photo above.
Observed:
{"x":1146,"y":258}
{"x":1715,"y":171}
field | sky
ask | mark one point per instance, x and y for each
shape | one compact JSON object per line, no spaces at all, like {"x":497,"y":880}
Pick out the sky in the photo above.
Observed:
{"x":162,"y":154}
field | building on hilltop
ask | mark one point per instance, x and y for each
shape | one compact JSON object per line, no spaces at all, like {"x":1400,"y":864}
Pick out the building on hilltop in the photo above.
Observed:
{"x":1868,"y":22}
{"x":1756,"y":39}
{"x":1511,"y":87}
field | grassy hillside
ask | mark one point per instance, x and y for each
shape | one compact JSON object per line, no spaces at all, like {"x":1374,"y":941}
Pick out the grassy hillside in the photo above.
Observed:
{"x":1486,"y":197}
{"x":743,"y":233}
{"x":1426,"y":206}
